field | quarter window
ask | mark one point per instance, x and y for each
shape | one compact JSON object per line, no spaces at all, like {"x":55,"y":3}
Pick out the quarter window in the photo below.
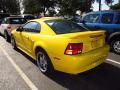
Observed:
{"x":92,"y":18}
{"x":32,"y":27}
{"x":107,"y":18}
{"x":118,"y":19}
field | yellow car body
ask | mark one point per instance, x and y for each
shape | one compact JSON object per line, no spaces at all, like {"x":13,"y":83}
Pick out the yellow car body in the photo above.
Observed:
{"x":94,"y":50}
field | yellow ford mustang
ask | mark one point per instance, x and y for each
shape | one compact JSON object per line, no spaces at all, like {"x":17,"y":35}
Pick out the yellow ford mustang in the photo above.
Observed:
{"x":58,"y":44}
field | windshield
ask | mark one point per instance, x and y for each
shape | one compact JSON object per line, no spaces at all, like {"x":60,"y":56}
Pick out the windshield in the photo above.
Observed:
{"x":64,"y":26}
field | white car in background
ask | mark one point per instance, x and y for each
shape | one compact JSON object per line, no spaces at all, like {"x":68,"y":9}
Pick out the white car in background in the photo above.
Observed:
{"x":10,"y":23}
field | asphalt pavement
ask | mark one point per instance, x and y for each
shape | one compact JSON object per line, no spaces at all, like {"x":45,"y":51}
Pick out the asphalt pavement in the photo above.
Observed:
{"x":20,"y":72}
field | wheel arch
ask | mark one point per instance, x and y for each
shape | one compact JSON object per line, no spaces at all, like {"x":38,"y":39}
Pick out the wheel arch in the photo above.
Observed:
{"x":37,"y":48}
{"x":41,"y":46}
{"x":113,"y":36}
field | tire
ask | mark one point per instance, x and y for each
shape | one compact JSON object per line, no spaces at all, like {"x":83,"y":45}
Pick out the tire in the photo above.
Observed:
{"x":115,"y":46}
{"x":7,"y":37}
{"x":43,"y":62}
{"x":13,"y":43}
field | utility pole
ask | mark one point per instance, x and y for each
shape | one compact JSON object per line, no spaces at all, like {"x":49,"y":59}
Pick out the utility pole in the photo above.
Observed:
{"x":99,"y":5}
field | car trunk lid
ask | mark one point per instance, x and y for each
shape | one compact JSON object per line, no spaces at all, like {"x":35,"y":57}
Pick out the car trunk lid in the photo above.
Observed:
{"x":91,"y":39}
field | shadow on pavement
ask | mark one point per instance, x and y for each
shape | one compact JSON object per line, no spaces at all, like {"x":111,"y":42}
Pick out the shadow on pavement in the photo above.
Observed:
{"x":28,"y":57}
{"x":103,"y":77}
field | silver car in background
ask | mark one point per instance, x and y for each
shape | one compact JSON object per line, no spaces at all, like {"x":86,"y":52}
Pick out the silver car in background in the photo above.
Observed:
{"x":10,"y":23}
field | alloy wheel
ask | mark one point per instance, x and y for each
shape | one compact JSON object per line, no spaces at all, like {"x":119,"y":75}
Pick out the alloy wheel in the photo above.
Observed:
{"x":42,"y":62}
{"x":116,"y":46}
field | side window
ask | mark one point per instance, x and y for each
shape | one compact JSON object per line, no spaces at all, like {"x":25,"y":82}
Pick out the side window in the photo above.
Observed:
{"x":87,"y":19}
{"x":107,"y":18}
{"x":92,"y":18}
{"x":117,"y":19}
{"x":38,"y":27}
{"x":32,"y":27}
{"x":7,"y":21}
{"x":3,"y":21}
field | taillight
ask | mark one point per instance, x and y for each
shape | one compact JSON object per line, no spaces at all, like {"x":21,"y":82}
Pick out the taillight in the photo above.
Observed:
{"x":74,"y":48}
{"x":8,"y":27}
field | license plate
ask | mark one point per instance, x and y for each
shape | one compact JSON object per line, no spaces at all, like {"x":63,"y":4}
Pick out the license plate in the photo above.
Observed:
{"x":94,"y":44}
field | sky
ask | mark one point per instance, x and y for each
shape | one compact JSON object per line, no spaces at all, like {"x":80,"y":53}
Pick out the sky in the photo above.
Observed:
{"x":104,"y":6}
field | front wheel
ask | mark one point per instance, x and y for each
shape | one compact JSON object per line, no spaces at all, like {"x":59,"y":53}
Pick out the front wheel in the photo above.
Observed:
{"x":44,"y":62}
{"x":115,"y":45}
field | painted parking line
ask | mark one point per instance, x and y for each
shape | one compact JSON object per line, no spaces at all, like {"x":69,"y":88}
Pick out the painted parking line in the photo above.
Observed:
{"x":21,"y":73}
{"x":113,"y":61}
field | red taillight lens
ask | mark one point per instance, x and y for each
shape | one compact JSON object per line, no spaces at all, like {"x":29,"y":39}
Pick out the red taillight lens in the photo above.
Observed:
{"x":9,"y":27}
{"x":74,"y":48}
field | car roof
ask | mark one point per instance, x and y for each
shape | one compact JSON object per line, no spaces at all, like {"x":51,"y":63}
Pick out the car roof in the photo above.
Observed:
{"x":46,"y":18}
{"x":13,"y":17}
{"x":104,"y":11}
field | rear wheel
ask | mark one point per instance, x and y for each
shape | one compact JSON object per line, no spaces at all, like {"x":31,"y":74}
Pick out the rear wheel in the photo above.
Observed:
{"x":44,"y":62}
{"x":115,"y":45}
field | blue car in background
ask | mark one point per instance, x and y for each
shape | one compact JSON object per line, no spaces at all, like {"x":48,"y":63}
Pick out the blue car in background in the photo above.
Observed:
{"x":108,"y":21}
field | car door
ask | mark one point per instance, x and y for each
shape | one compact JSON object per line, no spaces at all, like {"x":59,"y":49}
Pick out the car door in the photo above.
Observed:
{"x":30,"y":29}
{"x":117,"y":23}
{"x":91,"y":21}
{"x":107,"y":22}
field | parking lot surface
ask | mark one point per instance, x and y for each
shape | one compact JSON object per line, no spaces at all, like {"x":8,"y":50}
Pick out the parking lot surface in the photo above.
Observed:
{"x":19,"y":72}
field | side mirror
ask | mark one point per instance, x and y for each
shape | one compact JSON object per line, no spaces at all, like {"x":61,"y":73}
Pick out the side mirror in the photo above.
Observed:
{"x":20,"y":29}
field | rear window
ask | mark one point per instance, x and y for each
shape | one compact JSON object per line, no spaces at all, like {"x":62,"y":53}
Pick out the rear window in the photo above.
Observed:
{"x":29,"y":17}
{"x":64,"y":26}
{"x":17,"y":20}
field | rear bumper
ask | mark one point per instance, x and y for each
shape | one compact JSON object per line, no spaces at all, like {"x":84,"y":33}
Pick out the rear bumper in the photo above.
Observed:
{"x":75,"y":64}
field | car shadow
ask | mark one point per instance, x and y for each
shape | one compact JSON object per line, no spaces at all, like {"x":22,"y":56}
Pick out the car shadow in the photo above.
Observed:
{"x":103,"y":77}
{"x":26,"y":56}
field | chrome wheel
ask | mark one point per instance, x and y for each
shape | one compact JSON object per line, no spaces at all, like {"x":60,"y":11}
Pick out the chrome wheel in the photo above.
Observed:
{"x":116,"y":46}
{"x":42,"y":62}
{"x":13,"y":43}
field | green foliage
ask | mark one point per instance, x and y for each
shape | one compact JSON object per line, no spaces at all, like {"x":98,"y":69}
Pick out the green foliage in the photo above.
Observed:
{"x":116,"y":6}
{"x":10,"y":6}
{"x":69,"y":7}
{"x":37,"y":6}
{"x":31,"y":6}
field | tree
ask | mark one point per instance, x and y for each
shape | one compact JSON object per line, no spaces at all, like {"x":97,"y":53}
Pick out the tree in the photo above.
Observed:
{"x":116,"y":6}
{"x":37,"y":6}
{"x":10,"y":6}
{"x":69,"y":7}
{"x":32,"y":6}
{"x":47,"y":5}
